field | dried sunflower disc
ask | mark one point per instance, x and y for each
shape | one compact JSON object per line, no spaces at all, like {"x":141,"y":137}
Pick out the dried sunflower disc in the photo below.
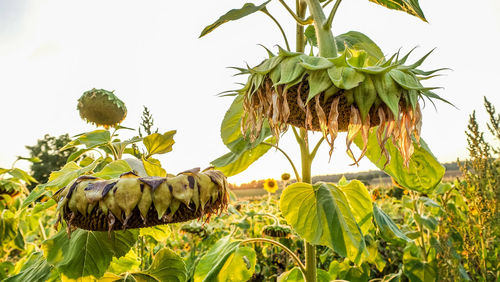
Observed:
{"x":134,"y":202}
{"x":102,"y":108}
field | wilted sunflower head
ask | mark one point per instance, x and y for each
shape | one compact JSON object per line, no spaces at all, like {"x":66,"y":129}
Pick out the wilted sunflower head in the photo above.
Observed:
{"x":277,"y":231}
{"x":270,"y":185}
{"x":285,"y":176}
{"x":102,"y":108}
{"x":352,"y":92}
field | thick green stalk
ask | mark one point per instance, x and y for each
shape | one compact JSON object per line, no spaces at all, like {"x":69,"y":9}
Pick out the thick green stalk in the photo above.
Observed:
{"x":310,"y":252}
{"x":300,"y":38}
{"x":326,"y":41}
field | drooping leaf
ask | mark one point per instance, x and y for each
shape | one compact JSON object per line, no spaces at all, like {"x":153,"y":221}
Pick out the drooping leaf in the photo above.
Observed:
{"x":113,"y":169}
{"x":212,"y":262}
{"x":153,"y":167}
{"x":364,"y":96}
{"x":388,"y":229}
{"x":69,"y":172}
{"x":319,"y":81}
{"x":291,"y":69}
{"x":157,"y":143}
{"x":166,"y":266}
{"x":36,"y":268}
{"x":321,"y":215}
{"x":358,"y":41}
{"x":23,"y":175}
{"x":91,"y":139}
{"x":87,"y":253}
{"x":424,"y":172}
{"x":310,"y":34}
{"x":345,"y":77}
{"x":409,"y":6}
{"x":388,"y":92}
{"x":233,"y":163}
{"x":234,"y":14}
{"x":34,"y":195}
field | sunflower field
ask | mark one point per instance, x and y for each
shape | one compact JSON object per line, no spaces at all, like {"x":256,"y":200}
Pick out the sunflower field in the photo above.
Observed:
{"x":114,"y":213}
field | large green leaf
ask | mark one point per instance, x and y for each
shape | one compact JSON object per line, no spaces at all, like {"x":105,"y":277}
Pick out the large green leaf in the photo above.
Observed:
{"x":213,"y":261}
{"x":359,"y":41}
{"x":295,"y":275}
{"x":91,"y":139}
{"x":233,"y":163}
{"x":424,"y":172}
{"x":230,"y":130}
{"x":409,"y":6}
{"x":157,"y":143}
{"x":23,"y":175}
{"x":87,"y":253}
{"x":388,"y":229}
{"x":36,"y":268}
{"x":234,"y":14}
{"x":360,"y":202}
{"x":166,"y":266}
{"x":113,"y":169}
{"x":240,"y":266}
{"x":321,"y":215}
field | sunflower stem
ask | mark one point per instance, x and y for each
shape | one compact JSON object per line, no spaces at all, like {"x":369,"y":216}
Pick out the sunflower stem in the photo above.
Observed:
{"x":326,"y":41}
{"x":300,"y":37}
{"x":283,"y":247}
{"x":297,"y":176}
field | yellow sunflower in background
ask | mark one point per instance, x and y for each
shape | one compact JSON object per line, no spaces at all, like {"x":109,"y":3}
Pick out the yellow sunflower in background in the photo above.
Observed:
{"x":270,"y":185}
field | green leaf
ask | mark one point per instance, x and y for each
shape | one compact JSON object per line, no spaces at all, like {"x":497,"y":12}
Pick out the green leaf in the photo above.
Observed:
{"x":358,"y":41}
{"x":315,"y":63}
{"x":213,"y":261}
{"x":159,"y":232}
{"x":8,"y":226}
{"x":34,"y":195}
{"x":166,"y":266}
{"x":321,"y":215}
{"x":418,"y":271}
{"x":233,"y":163}
{"x":364,"y":96}
{"x":234,"y":14}
{"x":345,"y":77}
{"x":157,"y":143}
{"x":69,"y":172}
{"x":319,"y":81}
{"x":91,"y":139}
{"x":388,"y":229}
{"x":153,"y":167}
{"x":239,"y":266}
{"x":23,"y":175}
{"x":127,"y":263}
{"x":409,"y":6}
{"x":424,"y":172}
{"x":429,"y":222}
{"x":36,"y":268}
{"x":113,"y":170}
{"x":360,"y":202}
{"x":295,"y":275}
{"x":87,"y":253}
{"x":310,"y":34}
{"x":291,"y":69}
{"x":388,"y":92}
{"x":406,"y":80}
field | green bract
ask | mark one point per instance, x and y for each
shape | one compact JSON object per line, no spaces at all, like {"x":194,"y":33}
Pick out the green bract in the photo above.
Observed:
{"x":101,"y":107}
{"x":352,"y":92}
{"x":132,"y":202}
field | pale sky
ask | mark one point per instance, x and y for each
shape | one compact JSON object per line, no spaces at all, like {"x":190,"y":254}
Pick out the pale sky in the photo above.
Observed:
{"x":51,"y":51}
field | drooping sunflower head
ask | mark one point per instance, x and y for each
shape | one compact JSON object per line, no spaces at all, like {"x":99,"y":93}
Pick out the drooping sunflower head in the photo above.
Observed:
{"x":285,"y":176}
{"x":102,"y":108}
{"x":271,"y":185}
{"x":277,"y":231}
{"x":352,"y":92}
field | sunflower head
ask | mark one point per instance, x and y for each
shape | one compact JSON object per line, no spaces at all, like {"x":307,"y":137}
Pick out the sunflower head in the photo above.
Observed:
{"x":102,"y":108}
{"x":271,"y":185}
{"x":277,"y":231}
{"x":352,"y":92}
{"x":285,"y":176}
